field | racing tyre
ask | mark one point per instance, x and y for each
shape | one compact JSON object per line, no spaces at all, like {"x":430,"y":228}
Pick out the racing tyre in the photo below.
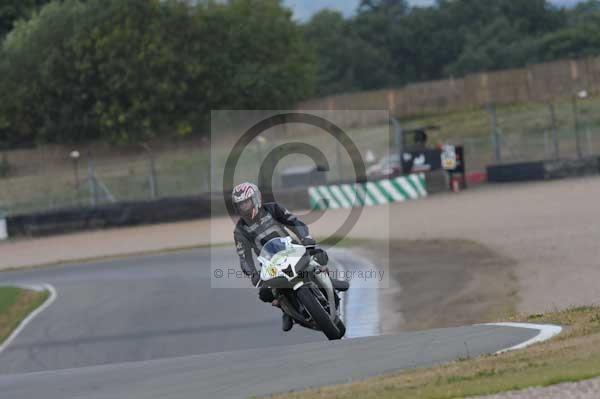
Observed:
{"x":341,"y":327}
{"x":318,"y":313}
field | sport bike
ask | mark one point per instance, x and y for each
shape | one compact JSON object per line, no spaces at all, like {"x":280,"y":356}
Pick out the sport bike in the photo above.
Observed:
{"x":302,"y":286}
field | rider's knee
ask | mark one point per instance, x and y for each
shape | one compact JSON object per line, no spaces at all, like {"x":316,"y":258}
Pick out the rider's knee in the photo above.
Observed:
{"x":266,"y":295}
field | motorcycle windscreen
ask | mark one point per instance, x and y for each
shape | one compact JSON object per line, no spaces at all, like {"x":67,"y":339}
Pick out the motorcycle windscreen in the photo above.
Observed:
{"x":279,"y":248}
{"x":274,"y":246}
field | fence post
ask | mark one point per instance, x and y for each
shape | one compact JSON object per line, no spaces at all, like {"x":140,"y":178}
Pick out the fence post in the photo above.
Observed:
{"x":207,"y":177}
{"x":554,"y":131}
{"x":494,"y":132}
{"x":92,"y":182}
{"x":153,"y":182}
{"x":576,"y":126}
{"x":398,"y":140}
{"x":152,"y":168}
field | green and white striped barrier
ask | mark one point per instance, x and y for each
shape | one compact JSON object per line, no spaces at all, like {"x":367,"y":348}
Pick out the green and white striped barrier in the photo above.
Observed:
{"x":374,"y":193}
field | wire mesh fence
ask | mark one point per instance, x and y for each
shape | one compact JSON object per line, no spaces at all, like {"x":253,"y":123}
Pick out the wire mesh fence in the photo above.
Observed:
{"x":88,"y":180}
{"x":51,"y":177}
{"x":566,"y":129}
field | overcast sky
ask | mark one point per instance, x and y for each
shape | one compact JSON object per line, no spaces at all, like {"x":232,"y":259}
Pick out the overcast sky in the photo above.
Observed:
{"x":303,"y":9}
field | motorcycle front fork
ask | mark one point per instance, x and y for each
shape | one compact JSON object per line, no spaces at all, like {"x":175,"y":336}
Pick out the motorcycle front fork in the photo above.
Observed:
{"x":324,"y":282}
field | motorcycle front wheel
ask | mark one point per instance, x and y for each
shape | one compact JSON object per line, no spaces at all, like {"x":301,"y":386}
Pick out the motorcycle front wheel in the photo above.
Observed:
{"x":318,"y":313}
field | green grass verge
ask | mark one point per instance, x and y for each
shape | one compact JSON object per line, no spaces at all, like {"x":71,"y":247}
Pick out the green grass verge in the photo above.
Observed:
{"x":15,"y":305}
{"x":572,"y":356}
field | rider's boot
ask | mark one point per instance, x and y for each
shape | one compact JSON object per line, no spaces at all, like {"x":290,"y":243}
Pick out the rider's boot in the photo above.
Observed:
{"x":286,"y":322}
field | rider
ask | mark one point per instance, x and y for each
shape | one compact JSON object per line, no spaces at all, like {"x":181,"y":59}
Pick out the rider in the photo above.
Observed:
{"x":258,"y":224}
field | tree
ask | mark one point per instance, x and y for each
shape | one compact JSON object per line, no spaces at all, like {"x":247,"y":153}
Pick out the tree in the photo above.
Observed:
{"x":32,"y":55}
{"x":580,"y":38}
{"x":13,"y":10}
{"x":497,"y":46}
{"x":103,"y":69}
{"x":255,"y":55}
{"x":126,"y":71}
{"x":573,"y":42}
{"x":345,"y":62}
{"x":391,"y":8}
{"x":532,"y":17}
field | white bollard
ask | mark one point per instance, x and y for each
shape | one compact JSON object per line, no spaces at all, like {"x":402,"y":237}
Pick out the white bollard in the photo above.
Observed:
{"x":3,"y":229}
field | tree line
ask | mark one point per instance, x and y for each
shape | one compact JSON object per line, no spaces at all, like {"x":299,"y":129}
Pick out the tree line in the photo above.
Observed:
{"x":388,"y":43}
{"x":125,"y":71}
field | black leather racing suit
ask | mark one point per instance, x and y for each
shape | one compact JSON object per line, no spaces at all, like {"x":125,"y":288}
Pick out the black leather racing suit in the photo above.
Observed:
{"x":268,"y":224}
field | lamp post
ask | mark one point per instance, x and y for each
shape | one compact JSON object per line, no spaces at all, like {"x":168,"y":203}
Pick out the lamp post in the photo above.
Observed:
{"x":581,"y":95}
{"x":75,"y":155}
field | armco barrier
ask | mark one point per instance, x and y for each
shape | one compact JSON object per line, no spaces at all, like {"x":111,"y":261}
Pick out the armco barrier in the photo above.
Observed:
{"x":114,"y":215}
{"x":543,"y":170}
{"x":573,"y":167}
{"x":373,"y":193}
{"x":164,"y":210}
{"x":515,"y":172}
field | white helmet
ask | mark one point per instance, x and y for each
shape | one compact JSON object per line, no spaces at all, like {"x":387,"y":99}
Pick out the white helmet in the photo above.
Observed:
{"x":247,"y":200}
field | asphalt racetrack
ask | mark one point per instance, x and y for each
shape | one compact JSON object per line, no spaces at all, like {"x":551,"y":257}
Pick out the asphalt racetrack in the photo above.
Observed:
{"x":142,"y":308}
{"x":151,"y":327}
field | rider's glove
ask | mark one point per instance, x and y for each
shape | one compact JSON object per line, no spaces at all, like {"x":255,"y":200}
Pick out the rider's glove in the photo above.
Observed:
{"x":320,"y":256}
{"x":255,"y":278}
{"x":308,"y":241}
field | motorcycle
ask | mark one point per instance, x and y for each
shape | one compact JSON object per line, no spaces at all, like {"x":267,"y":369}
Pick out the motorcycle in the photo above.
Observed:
{"x":302,"y":286}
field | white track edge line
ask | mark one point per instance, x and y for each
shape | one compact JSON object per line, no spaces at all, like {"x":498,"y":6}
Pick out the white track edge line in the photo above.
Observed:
{"x":32,"y":315}
{"x":546,"y":332}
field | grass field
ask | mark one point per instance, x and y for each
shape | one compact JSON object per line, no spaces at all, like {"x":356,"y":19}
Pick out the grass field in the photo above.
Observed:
{"x":15,"y":305}
{"x":572,"y":356}
{"x":525,"y":134}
